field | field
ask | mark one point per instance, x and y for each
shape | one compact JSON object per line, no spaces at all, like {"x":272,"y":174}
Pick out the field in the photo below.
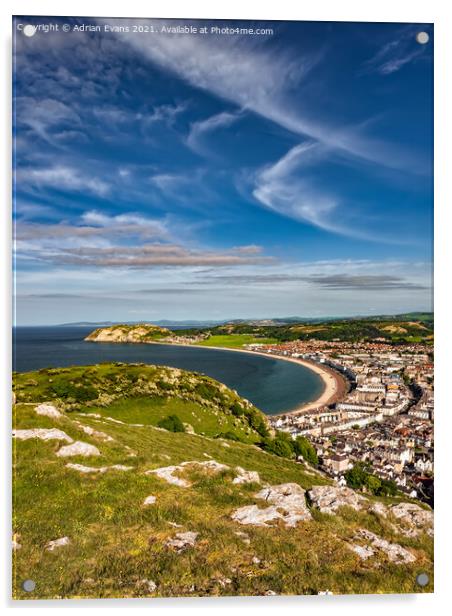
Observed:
{"x":235,"y":341}
{"x":119,"y":547}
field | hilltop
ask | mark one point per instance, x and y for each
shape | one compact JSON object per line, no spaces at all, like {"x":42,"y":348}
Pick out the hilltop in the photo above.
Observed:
{"x":109,"y":501}
{"x":142,"y":332}
{"x":405,"y":329}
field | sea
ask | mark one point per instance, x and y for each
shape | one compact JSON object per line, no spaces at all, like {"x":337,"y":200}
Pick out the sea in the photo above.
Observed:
{"x":273,"y":385}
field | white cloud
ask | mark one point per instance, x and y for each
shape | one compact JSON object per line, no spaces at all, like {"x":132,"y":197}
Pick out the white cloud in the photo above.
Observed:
{"x":199,"y":130}
{"x":63,"y":178}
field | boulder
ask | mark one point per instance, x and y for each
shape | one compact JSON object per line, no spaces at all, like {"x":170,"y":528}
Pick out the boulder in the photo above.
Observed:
{"x":244,"y":476}
{"x":78,"y":449}
{"x":149,"y":500}
{"x":48,"y":410}
{"x":328,"y":499}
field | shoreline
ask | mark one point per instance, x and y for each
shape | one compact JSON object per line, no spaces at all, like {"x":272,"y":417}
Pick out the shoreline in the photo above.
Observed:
{"x":334,"y":385}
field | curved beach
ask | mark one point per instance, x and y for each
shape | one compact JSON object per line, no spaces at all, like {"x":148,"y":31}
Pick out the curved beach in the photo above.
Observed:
{"x":335,"y":386}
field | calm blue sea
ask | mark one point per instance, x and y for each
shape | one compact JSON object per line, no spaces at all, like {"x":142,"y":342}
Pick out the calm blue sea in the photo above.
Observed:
{"x":272,"y":385}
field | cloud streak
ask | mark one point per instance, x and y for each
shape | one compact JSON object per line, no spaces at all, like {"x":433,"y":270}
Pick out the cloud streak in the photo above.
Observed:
{"x":233,"y":70}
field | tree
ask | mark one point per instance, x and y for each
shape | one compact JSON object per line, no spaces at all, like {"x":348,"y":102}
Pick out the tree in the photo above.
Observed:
{"x":303,"y":447}
{"x":373,"y":483}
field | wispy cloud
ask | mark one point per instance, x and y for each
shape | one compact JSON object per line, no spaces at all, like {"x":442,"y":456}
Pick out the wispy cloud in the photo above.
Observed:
{"x":201,"y":129}
{"x":288,"y":188}
{"x":233,"y":70}
{"x":395,"y":54}
{"x":60,"y":177}
{"x":380,"y":282}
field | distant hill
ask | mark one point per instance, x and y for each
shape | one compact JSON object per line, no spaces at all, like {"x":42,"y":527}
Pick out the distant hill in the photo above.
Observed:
{"x":189,"y":323}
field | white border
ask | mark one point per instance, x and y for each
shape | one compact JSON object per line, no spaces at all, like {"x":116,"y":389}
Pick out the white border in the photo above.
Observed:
{"x":436,"y":11}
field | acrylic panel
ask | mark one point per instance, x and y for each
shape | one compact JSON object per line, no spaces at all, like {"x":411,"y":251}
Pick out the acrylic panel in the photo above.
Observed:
{"x":223,"y":323}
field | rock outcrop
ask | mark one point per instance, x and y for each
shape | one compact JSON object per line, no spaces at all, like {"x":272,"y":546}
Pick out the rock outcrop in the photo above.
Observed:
{"x":414,"y":516}
{"x":57,"y":543}
{"x":48,"y":410}
{"x":182,"y":541}
{"x":44,"y":434}
{"x":244,"y":476}
{"x":288,"y":503}
{"x":328,"y":499}
{"x":168,"y":472}
{"x":395,"y":552}
{"x":81,"y":468}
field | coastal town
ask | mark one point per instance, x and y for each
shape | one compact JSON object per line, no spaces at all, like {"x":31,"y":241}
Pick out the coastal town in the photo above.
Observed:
{"x":377,"y":409}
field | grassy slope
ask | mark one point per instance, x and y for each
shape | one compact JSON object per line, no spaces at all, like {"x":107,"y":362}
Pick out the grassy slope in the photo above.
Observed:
{"x":116,"y":542}
{"x":144,"y":391}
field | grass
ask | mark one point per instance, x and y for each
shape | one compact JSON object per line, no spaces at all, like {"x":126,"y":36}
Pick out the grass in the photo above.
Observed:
{"x":202,"y":419}
{"x":116,"y":542}
{"x":235,"y":341}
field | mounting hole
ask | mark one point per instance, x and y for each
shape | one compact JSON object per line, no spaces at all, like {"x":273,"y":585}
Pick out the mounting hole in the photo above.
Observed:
{"x":422,"y":38}
{"x":29,"y":30}
{"x":422,"y":579}
{"x":29,"y":585}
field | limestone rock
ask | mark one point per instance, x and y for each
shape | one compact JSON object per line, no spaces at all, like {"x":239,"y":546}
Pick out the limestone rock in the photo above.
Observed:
{"x":57,"y":543}
{"x":81,"y":468}
{"x":147,"y":585}
{"x":149,"y":500}
{"x":328,"y":499}
{"x":252,"y":515}
{"x":379,"y":508}
{"x":44,"y":434}
{"x":78,"y":449}
{"x":288,"y":504}
{"x":364,"y":552}
{"x":15,"y":542}
{"x":48,"y":410}
{"x":244,"y":476}
{"x":182,"y":541}
{"x":95,"y":433}
{"x":414,"y":516}
{"x":168,"y":472}
{"x":395,"y":552}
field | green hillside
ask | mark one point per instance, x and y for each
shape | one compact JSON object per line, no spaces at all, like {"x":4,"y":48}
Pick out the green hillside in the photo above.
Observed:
{"x":185,"y":541}
{"x":392,"y":330}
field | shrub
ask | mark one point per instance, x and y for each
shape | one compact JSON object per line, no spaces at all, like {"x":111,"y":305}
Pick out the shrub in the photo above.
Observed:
{"x":172,"y":423}
{"x":281,"y":445}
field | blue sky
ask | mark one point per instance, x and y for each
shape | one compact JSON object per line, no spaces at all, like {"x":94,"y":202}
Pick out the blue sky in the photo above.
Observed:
{"x":176,"y":176}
